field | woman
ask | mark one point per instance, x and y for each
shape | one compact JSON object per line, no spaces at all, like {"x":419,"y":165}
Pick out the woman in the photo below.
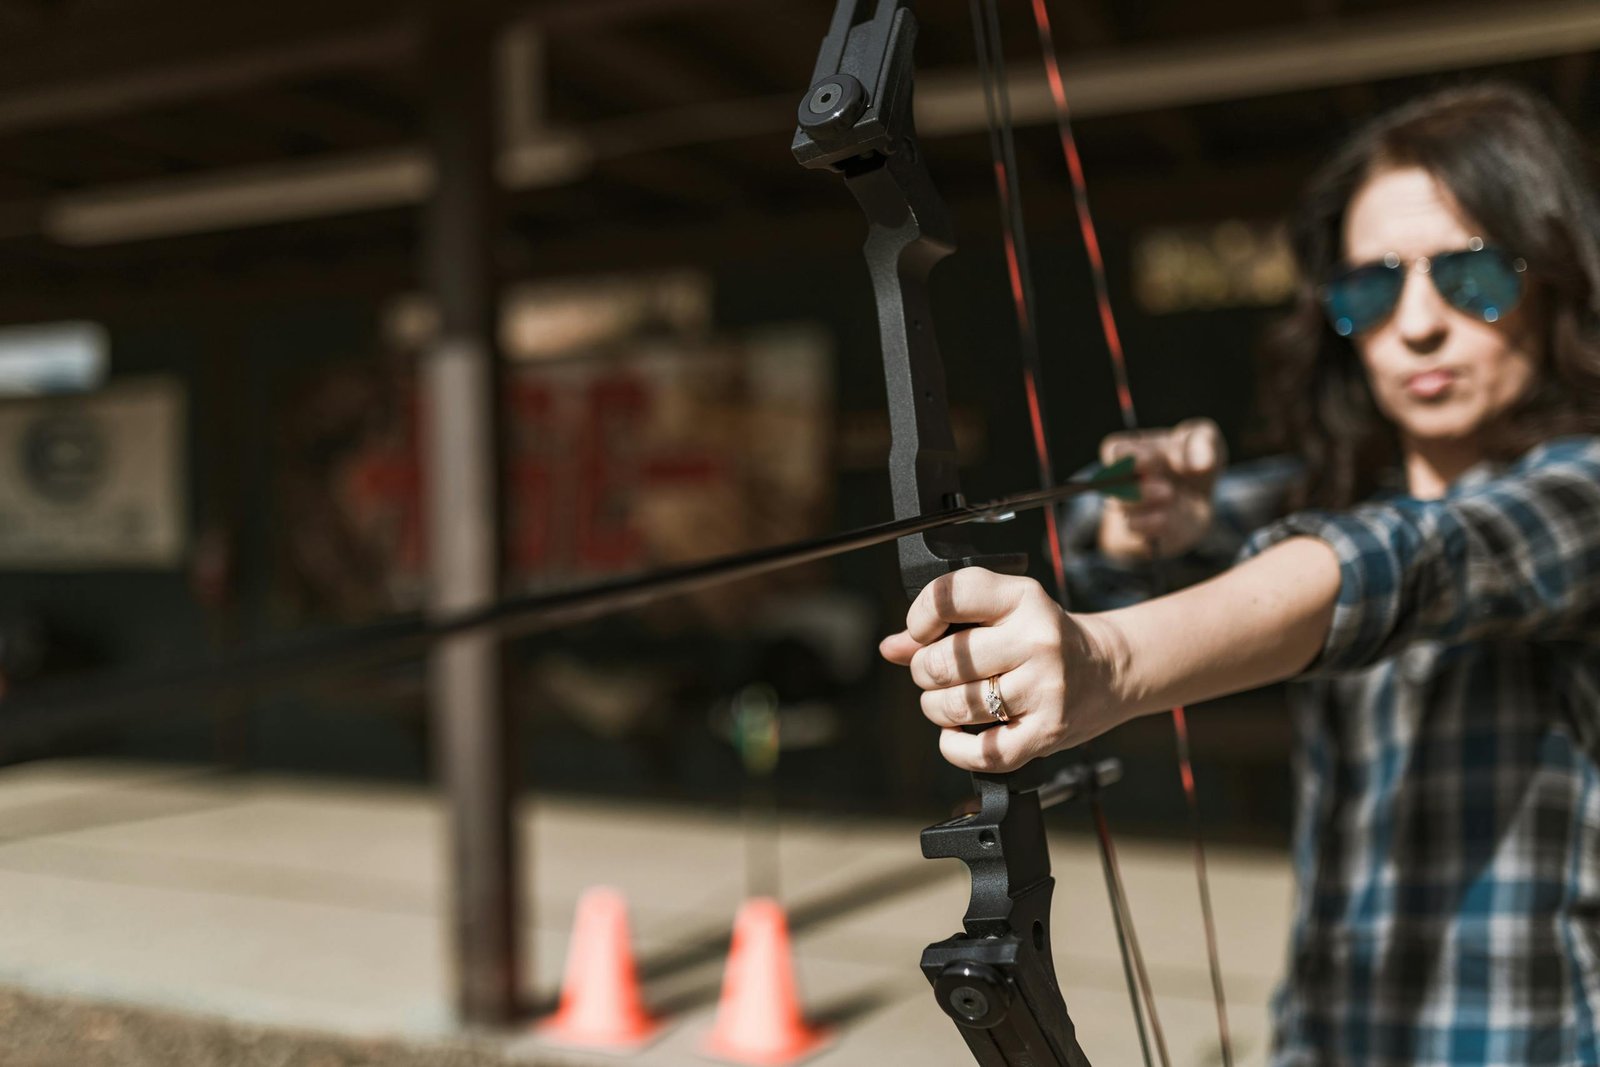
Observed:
{"x":1427,"y":569}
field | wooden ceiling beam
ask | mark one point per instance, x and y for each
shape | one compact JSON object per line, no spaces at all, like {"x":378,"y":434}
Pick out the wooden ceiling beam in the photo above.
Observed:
{"x":590,"y":13}
{"x":41,"y":86}
{"x":1118,"y":81}
{"x":646,"y":77}
{"x":374,"y":256}
{"x":1146,"y":77}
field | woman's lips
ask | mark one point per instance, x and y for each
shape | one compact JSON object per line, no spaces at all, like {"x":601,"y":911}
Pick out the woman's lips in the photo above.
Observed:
{"x":1430,"y":384}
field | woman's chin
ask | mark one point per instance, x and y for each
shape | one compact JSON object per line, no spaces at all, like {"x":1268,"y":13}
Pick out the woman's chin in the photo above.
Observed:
{"x":1444,"y":424}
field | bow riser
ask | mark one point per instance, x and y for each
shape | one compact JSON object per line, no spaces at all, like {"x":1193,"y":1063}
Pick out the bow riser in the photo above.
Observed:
{"x":996,"y":980}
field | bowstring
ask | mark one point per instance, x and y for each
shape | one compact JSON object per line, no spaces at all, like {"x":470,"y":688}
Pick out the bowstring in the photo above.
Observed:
{"x":1130,"y":421}
{"x":1127,"y":938}
{"x":992,"y":69}
{"x":997,"y":104}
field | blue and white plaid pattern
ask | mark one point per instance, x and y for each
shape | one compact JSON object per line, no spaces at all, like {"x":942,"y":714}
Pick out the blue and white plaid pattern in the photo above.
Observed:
{"x":1447,"y":839}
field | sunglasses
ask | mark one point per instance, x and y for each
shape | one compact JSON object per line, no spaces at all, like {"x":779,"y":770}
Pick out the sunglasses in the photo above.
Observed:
{"x":1482,"y":281}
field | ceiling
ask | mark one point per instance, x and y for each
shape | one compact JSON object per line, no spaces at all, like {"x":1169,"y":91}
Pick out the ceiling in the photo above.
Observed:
{"x":156,"y":145}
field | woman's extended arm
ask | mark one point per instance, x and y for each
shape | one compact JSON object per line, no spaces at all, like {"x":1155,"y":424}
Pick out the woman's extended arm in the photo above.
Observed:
{"x":1258,"y":623}
{"x":1067,"y":678}
{"x":1514,"y":557}
{"x":1509,"y":558}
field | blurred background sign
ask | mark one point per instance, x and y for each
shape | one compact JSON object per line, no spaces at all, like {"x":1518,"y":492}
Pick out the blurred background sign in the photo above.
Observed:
{"x":94,"y":481}
{"x":637,"y":436}
{"x":54,"y":357}
{"x":1234,"y":263}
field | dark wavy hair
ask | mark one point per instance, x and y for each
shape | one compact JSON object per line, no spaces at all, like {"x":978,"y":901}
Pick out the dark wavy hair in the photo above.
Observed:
{"x":1517,"y":170}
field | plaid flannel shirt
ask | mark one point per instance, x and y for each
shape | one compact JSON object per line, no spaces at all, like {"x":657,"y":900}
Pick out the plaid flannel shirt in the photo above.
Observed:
{"x":1447,"y":757}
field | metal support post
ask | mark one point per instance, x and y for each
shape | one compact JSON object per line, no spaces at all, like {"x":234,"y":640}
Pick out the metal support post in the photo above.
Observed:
{"x":459,"y":383}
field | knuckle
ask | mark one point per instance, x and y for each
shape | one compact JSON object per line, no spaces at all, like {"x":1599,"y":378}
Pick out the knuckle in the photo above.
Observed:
{"x":1025,"y":744}
{"x":938,"y":664}
{"x":1115,"y":445}
{"x":990,"y":761}
{"x":1005,"y":762}
{"x":1044,"y":645}
{"x":925,"y":609}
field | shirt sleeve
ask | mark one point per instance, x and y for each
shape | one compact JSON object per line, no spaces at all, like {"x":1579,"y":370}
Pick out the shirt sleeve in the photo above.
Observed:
{"x":1247,"y":496}
{"x":1516,"y":556}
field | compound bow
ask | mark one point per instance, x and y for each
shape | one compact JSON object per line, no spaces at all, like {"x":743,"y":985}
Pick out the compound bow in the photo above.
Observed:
{"x":997,"y":979}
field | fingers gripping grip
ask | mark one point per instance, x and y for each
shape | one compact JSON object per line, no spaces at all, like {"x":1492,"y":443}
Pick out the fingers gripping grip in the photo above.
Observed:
{"x":1014,"y":563}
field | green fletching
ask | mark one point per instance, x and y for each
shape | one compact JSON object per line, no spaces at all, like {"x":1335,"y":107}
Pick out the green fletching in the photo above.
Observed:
{"x":1120,"y":475}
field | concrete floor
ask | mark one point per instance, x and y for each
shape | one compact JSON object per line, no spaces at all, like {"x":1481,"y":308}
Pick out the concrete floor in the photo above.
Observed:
{"x":277,"y":907}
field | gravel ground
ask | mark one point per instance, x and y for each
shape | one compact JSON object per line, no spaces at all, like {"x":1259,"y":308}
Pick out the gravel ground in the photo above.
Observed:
{"x":40,"y":1031}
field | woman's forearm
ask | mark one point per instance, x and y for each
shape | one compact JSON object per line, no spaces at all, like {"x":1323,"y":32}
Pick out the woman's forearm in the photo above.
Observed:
{"x":1061,"y":678}
{"x":1260,"y":622}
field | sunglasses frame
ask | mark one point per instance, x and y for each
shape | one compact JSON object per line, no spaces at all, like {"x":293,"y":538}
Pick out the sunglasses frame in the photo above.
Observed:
{"x":1344,"y":326}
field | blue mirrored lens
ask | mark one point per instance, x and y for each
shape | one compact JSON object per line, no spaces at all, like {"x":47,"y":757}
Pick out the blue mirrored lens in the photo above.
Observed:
{"x":1486,"y":282}
{"x":1360,"y":299}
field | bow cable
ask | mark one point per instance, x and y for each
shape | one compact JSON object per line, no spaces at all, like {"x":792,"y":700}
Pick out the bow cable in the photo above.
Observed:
{"x":1002,"y":143}
{"x":991,"y":63}
{"x":1130,"y":421}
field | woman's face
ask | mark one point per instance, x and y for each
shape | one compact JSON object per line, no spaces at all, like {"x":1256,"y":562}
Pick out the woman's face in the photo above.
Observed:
{"x":1442,"y":375}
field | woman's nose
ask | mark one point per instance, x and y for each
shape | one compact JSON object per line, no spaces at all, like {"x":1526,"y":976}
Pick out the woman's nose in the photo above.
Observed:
{"x":1421,"y":316}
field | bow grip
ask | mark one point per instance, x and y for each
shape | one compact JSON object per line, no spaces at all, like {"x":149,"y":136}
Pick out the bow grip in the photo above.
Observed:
{"x":1015,"y":563}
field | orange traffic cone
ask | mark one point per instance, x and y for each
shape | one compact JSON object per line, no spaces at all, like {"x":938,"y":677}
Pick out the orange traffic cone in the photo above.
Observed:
{"x":600,"y":1003}
{"x":758,"y":1020}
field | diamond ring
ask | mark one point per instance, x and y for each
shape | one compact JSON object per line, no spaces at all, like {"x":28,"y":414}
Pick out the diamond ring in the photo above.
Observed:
{"x":992,"y":701}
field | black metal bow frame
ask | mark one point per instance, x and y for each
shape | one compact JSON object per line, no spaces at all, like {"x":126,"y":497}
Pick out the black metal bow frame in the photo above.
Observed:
{"x":996,"y":980}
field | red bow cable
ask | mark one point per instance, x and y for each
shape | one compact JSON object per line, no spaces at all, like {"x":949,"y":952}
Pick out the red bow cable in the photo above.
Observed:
{"x":1108,"y":324}
{"x":1021,"y":287}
